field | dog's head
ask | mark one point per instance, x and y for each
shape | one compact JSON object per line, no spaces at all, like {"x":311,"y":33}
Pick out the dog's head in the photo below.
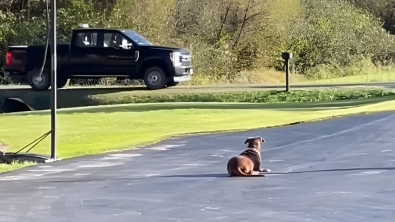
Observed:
{"x":255,"y":142}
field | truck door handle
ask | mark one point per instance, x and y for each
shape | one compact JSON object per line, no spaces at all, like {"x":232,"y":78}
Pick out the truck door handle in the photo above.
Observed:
{"x":137,"y":55}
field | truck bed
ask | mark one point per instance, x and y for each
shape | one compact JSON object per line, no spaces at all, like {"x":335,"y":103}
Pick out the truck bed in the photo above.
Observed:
{"x":27,"y":58}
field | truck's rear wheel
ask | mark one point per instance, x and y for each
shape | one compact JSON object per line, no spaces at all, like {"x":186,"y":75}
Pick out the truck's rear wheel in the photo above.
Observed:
{"x":37,"y":81}
{"x":154,"y":78}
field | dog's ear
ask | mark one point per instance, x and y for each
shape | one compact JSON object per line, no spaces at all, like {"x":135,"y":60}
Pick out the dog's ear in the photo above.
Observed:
{"x":246,"y":141}
{"x":261,"y":139}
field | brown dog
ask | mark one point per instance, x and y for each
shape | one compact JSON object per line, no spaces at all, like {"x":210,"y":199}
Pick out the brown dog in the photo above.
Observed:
{"x":248,"y":163}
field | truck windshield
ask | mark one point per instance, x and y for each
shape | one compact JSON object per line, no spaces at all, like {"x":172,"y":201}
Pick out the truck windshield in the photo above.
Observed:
{"x":138,"y":39}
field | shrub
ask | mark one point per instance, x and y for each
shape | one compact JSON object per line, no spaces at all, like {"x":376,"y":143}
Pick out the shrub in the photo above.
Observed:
{"x":329,"y":38}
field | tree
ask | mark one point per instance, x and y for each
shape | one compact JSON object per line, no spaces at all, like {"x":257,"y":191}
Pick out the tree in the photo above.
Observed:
{"x":383,"y":9}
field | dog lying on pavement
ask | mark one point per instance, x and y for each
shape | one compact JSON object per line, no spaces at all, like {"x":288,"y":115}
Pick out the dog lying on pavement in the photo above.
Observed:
{"x":248,"y":163}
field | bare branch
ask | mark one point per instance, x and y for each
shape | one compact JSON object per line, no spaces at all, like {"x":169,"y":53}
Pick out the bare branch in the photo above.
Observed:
{"x":259,"y":3}
{"x":254,"y":15}
{"x":242,"y":25}
{"x":223,"y":22}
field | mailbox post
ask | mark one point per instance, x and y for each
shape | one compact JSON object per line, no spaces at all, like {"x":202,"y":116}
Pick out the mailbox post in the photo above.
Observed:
{"x":287,"y":56}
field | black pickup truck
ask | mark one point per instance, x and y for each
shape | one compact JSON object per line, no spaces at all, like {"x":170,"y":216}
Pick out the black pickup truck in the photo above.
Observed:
{"x":97,"y":53}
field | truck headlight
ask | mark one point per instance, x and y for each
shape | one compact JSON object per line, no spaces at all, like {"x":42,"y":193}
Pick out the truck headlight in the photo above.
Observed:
{"x":176,"y":58}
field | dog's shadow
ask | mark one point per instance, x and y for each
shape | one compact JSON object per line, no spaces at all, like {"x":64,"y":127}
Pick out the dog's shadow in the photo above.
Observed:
{"x":219,"y":175}
{"x":223,"y":175}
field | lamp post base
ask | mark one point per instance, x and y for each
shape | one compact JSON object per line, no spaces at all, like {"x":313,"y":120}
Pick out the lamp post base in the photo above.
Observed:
{"x":10,"y":158}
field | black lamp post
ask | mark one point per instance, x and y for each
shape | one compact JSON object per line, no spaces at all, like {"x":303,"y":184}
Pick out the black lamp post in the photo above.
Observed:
{"x":287,"y":56}
{"x":53,"y":80}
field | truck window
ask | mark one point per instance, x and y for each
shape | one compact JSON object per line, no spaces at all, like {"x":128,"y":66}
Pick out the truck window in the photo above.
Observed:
{"x":86,"y":39}
{"x":116,"y":40}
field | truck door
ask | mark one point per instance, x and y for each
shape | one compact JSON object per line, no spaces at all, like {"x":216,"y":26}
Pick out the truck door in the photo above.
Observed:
{"x":118,"y":54}
{"x":84,"y":50}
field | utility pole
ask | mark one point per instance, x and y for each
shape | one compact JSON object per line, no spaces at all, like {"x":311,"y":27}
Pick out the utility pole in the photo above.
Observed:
{"x":54,"y":100}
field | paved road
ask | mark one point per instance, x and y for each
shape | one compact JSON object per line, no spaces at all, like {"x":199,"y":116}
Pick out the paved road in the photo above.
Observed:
{"x":185,"y":179}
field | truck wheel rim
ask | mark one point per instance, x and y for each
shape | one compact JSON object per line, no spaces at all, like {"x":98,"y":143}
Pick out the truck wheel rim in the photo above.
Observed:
{"x":154,"y":78}
{"x":38,"y":80}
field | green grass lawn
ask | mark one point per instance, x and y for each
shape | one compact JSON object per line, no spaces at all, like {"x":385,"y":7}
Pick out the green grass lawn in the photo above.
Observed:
{"x":89,"y":131}
{"x":384,"y":76}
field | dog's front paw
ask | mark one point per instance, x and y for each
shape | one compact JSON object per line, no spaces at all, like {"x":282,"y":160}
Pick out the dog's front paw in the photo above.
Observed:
{"x":264,"y":170}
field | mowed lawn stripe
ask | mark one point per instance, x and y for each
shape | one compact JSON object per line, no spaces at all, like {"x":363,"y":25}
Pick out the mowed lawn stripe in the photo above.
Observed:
{"x":95,"y":130}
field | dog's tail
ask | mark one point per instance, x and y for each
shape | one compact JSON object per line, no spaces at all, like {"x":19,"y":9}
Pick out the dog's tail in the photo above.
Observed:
{"x":244,"y":174}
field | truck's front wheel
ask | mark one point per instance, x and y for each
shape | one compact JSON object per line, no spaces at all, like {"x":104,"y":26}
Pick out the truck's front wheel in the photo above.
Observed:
{"x":37,"y":81}
{"x":154,"y":78}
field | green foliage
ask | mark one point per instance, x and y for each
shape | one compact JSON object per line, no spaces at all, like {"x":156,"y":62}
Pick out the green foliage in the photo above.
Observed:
{"x":216,"y":31}
{"x":7,"y":32}
{"x":30,"y":32}
{"x":7,"y":21}
{"x":215,"y":63}
{"x":20,"y":24}
{"x":4,"y":79}
{"x":279,"y":28}
{"x":329,"y":38}
{"x":382,"y":9}
{"x":73,"y":13}
{"x":150,"y":18}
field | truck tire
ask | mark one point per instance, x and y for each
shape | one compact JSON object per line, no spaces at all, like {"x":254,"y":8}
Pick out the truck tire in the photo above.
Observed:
{"x":154,"y":78}
{"x":36,"y":82}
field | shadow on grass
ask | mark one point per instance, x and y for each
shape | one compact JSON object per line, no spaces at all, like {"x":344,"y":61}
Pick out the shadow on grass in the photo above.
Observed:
{"x":95,"y":96}
{"x":74,"y":97}
{"x":291,"y":106}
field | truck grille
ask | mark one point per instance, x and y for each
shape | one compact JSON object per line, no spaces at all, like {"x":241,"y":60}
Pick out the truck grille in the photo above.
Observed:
{"x":186,"y":59}
{"x":186,"y":63}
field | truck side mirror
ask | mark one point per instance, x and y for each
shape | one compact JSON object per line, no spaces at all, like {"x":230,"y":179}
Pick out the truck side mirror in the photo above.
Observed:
{"x":126,"y":46}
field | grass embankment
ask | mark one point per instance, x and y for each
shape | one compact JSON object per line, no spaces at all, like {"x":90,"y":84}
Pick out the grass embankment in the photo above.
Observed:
{"x":366,"y":75}
{"x":251,"y":96}
{"x":378,"y":76}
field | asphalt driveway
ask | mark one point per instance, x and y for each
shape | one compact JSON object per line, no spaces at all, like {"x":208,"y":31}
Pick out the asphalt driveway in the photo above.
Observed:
{"x":338,"y":170}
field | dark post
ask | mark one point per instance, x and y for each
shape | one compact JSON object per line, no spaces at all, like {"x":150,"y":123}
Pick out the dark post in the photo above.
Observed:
{"x":287,"y":74}
{"x":287,"y":56}
{"x":53,"y":80}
